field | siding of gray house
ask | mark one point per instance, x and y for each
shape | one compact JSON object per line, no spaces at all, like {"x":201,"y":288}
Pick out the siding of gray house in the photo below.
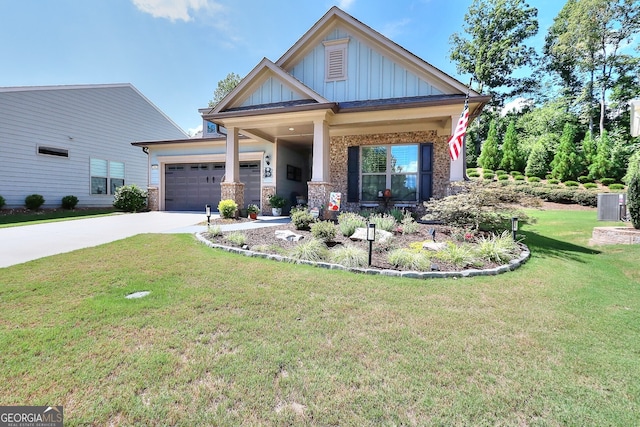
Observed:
{"x":89,"y":122}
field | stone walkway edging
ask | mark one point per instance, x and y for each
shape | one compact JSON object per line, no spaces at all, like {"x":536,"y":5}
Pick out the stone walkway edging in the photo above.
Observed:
{"x":525,"y":254}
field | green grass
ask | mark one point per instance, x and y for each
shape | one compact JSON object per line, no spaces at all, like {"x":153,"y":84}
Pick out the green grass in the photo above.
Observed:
{"x":38,"y":217}
{"x":228,"y":340}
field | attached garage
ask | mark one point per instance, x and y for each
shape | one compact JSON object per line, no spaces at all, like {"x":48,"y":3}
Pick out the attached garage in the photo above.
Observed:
{"x":191,"y":186}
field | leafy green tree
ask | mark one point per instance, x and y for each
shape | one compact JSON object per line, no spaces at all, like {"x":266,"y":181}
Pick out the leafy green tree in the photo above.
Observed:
{"x":633,"y":200}
{"x":492,"y":47}
{"x":490,"y":155}
{"x":601,"y":163}
{"x":589,"y":35}
{"x":538,"y":160}
{"x":511,"y":156}
{"x":549,"y":118}
{"x":225,"y":86}
{"x":633,"y":168}
{"x":589,"y":148}
{"x":567,"y":162}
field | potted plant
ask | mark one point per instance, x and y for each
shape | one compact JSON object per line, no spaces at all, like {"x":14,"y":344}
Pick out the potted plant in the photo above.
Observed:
{"x":253,"y":210}
{"x":277,"y":203}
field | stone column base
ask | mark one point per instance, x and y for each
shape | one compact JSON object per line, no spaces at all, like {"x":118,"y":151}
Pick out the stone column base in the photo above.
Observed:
{"x":233,"y":191}
{"x":318,"y":194}
{"x":267,"y":191}
{"x":153,"y":198}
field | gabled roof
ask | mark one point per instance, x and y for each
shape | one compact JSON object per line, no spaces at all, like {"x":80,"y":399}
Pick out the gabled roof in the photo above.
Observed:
{"x":337,"y":17}
{"x":260,"y":73}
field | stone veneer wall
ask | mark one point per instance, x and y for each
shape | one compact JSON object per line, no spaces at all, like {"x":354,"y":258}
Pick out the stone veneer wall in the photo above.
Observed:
{"x":338,"y":155}
{"x":233,"y":191}
{"x":267,"y":191}
{"x":153,"y":198}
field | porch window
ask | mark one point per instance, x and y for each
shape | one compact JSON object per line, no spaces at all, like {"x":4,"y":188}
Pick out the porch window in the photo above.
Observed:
{"x":389,"y":166}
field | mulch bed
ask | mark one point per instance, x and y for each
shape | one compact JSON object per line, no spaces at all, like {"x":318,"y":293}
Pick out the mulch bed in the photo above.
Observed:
{"x":264,"y":238}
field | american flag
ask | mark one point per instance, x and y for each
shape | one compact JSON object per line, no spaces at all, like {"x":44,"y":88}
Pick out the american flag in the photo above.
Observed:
{"x":456,"y":142}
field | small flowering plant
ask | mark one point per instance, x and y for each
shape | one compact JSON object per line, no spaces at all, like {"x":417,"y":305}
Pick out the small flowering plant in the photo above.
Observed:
{"x":253,"y":209}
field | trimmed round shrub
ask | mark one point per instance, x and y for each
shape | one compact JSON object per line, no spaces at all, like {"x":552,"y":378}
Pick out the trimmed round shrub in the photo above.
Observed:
{"x":584,"y":179}
{"x":472,"y":170}
{"x":69,"y":202}
{"x":533,"y":179}
{"x":515,"y":173}
{"x":488,"y":171}
{"x":571,"y":184}
{"x":607,"y":181}
{"x":324,"y":231}
{"x":227,"y":208}
{"x":33,"y":201}
{"x":616,"y":187}
{"x":518,"y":177}
{"x":130,"y":198}
{"x":590,"y":185}
{"x":501,"y":172}
{"x":473,"y":174}
{"x":488,"y":175}
{"x":553,"y":181}
{"x":2,"y":202}
{"x":302,"y":219}
{"x":585,"y":198}
{"x":503,"y":177}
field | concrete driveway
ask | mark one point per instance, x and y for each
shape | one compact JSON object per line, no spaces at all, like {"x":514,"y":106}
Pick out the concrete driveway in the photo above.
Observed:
{"x":29,"y":242}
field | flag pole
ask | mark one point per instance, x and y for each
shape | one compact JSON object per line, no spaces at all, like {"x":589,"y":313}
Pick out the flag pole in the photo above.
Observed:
{"x":464,"y":141}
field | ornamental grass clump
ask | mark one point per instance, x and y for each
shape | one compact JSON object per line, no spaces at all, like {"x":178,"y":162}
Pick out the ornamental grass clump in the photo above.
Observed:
{"x":384,"y":222}
{"x":409,"y":225}
{"x":458,"y":255}
{"x":237,"y":238}
{"x":408,"y":259}
{"x":349,"y":256}
{"x":312,"y":250}
{"x":497,"y":248}
{"x":348,"y":222}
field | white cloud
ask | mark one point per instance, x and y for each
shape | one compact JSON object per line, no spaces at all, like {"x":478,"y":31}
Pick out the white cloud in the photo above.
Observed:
{"x":392,"y":29}
{"x":345,"y":4}
{"x":195,"y":132}
{"x":175,"y":9}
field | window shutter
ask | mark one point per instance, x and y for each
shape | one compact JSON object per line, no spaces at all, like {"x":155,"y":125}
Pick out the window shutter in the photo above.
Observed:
{"x":353,"y":174}
{"x":426,"y":171}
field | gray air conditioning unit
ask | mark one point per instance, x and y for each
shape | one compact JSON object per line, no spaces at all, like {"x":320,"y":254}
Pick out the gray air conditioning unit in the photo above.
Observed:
{"x":611,"y":206}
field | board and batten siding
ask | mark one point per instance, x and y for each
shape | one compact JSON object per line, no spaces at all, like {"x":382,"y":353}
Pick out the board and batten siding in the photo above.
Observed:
{"x":273,"y":90}
{"x":93,"y":121}
{"x":370,"y":74}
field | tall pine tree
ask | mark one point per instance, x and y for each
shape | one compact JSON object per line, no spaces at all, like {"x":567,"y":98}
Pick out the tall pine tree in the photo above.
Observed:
{"x":490,"y":155}
{"x":511,"y":156}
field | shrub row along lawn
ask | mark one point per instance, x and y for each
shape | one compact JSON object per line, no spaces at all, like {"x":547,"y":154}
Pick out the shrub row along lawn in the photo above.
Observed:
{"x":227,"y":340}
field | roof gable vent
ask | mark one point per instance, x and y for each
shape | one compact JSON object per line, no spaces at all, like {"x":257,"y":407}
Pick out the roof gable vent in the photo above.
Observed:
{"x":335,"y":54}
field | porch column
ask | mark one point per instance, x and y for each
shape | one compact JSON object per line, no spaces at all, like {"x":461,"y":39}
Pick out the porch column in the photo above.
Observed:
{"x":320,"y":151}
{"x":232,"y":188}
{"x":457,"y":168}
{"x":232,"y":163}
{"x":319,"y":187}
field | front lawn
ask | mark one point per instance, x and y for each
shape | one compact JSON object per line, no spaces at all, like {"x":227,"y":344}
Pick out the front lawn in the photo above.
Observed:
{"x":227,"y":340}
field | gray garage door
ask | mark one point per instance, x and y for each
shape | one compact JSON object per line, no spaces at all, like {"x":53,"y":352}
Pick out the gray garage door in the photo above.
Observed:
{"x":191,"y":186}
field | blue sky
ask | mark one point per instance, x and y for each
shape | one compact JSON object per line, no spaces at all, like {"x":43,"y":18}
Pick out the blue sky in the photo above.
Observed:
{"x":176,"y":51}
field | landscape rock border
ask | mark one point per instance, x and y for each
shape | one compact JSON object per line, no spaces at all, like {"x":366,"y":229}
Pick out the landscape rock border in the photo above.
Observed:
{"x":525,"y":254}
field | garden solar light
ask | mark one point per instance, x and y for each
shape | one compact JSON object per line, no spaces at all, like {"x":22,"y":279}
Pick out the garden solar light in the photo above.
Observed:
{"x":371,"y":236}
{"x":514,"y":226}
{"x":207,"y":209}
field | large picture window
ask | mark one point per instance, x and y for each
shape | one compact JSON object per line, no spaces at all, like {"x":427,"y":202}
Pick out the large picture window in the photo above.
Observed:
{"x":106,"y":176}
{"x":393,"y":167}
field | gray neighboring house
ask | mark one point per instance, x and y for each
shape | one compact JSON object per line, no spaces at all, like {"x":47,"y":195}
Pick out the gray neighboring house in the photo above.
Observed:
{"x":75,"y":140}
